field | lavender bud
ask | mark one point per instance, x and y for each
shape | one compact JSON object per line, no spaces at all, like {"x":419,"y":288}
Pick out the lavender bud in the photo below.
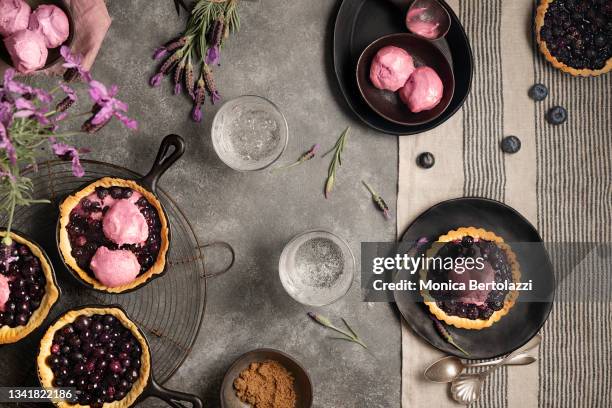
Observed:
{"x":176,"y":44}
{"x":165,"y":68}
{"x":89,"y":127}
{"x":178,"y":75}
{"x":189,"y":79}
{"x":210,"y":81}
{"x":71,"y":74}
{"x":64,"y":105}
{"x":216,"y":32}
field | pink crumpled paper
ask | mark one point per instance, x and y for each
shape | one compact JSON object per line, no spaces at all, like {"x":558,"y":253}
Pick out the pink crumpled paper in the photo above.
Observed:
{"x":91,"y":21}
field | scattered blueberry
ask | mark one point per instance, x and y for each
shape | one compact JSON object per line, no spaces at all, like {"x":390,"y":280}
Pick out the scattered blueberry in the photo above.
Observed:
{"x":426,"y":160}
{"x":538,"y":92}
{"x":556,"y":115}
{"x":511,"y":144}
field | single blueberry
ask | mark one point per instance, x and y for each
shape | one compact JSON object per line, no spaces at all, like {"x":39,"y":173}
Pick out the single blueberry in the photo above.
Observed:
{"x":426,"y":160}
{"x":556,"y":115}
{"x":538,"y":92}
{"x":511,"y":144}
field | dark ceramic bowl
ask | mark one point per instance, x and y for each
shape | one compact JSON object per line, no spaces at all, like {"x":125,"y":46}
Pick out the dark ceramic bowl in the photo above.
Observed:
{"x":388,"y":104}
{"x":54,"y":53}
{"x":302,"y":383}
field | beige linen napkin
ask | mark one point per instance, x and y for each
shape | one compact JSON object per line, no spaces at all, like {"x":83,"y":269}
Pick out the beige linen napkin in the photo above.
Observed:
{"x":547,"y":181}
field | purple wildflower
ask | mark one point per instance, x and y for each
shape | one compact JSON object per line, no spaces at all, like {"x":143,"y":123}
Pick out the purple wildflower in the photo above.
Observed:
{"x":6,"y":113}
{"x":74,"y":63}
{"x":156,"y":79}
{"x":210,"y":85}
{"x":18,"y":88}
{"x":27,"y":109}
{"x":200,"y":95}
{"x":160,"y":53}
{"x":178,"y":75}
{"x":212,"y":55}
{"x":67,"y":152}
{"x":67,"y":102}
{"x":189,"y":79}
{"x":7,"y":145}
{"x":109,"y":106}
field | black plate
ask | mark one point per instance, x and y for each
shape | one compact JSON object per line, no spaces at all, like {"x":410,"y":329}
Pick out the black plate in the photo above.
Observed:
{"x":359,"y":23}
{"x":525,"y":319}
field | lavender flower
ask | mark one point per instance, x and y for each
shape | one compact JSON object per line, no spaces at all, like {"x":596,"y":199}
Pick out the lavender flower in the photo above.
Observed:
{"x":212,"y":55}
{"x":67,"y":102}
{"x":108,"y":106}
{"x":200,"y":95}
{"x":178,"y":76}
{"x":7,"y":145}
{"x":73,"y":64}
{"x":159,"y":53}
{"x":18,"y":88}
{"x":215,"y":37}
{"x":165,"y":68}
{"x":189,"y":79}
{"x":26,"y":109}
{"x":210,"y":84}
{"x":67,"y":152}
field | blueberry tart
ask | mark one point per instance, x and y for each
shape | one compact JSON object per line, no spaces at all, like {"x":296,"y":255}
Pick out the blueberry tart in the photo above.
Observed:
{"x":575,"y":36}
{"x":27,"y":288}
{"x":481,"y":293}
{"x":113,"y":234}
{"x":100,"y":352}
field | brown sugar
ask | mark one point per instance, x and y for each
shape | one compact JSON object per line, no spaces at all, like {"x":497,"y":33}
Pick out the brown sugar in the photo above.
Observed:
{"x":266,"y":385}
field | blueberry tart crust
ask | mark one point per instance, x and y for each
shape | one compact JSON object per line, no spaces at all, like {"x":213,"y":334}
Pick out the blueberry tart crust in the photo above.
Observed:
{"x":469,"y":315}
{"x":80,"y":232}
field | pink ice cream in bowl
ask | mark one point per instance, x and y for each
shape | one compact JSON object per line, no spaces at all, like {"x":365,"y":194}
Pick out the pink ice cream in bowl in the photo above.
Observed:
{"x":33,"y":45}
{"x":395,"y":58}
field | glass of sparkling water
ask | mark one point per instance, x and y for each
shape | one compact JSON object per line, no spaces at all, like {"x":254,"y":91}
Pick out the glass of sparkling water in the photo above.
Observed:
{"x":317,"y":268}
{"x":249,"y":133}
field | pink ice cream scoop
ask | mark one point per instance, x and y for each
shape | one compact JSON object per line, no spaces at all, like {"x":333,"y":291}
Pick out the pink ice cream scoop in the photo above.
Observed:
{"x":114,"y":268}
{"x":125,"y":224}
{"x":423,"y":90}
{"x":27,"y":49}
{"x":418,"y":22}
{"x":473,"y":296}
{"x":391,"y":68}
{"x":52,"y":23}
{"x":14,"y":16}
{"x":5,"y":291}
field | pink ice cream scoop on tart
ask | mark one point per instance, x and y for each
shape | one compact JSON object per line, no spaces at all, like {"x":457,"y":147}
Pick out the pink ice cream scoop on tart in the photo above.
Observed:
{"x":14,"y":16}
{"x":125,"y":224}
{"x":52,"y":23}
{"x":5,"y":292}
{"x":114,"y":268}
{"x":423,"y":90}
{"x":391,"y":68}
{"x":27,"y":50}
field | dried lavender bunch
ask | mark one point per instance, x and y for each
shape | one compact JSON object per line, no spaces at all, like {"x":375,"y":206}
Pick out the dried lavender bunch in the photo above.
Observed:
{"x":209,"y":26}
{"x":378,"y":200}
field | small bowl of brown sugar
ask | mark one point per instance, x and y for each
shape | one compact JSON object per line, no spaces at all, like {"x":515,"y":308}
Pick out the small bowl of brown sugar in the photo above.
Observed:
{"x":266,"y":378}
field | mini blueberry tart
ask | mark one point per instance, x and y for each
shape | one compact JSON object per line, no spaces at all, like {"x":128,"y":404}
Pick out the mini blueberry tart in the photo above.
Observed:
{"x":28,"y":289}
{"x":100,"y":352}
{"x":575,"y":36}
{"x":471,"y":308}
{"x":113,"y":234}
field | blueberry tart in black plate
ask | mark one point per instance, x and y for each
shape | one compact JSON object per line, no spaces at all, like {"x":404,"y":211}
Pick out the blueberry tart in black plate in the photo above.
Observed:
{"x":575,"y":36}
{"x":468,"y":308}
{"x":28,"y":289}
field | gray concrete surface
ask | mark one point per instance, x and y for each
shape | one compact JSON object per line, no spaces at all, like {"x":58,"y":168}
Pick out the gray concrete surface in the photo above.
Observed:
{"x":283,"y":52}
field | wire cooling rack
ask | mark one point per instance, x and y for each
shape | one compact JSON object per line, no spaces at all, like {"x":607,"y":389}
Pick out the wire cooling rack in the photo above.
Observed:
{"x":169,"y":310}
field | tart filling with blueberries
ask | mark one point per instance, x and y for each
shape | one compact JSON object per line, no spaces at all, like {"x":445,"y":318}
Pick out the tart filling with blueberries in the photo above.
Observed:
{"x":576,"y":35}
{"x":27,"y":288}
{"x":100,"y":352}
{"x":479,"y":306}
{"x":113,"y":234}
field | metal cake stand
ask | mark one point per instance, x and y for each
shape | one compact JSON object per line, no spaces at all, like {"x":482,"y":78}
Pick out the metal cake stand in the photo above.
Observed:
{"x":169,"y":310}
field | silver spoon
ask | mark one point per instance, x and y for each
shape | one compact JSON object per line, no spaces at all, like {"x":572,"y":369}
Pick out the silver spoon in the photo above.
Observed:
{"x":467,"y":388}
{"x":448,"y":368}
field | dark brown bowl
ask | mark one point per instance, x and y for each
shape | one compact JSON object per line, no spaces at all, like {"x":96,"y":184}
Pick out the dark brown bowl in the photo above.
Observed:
{"x":302,"y":383}
{"x":388,"y":104}
{"x":54,"y":53}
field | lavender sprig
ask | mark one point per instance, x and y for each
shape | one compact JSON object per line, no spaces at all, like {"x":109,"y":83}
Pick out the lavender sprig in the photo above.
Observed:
{"x":336,"y":161}
{"x":378,"y":200}
{"x":350,"y":335}
{"x":304,"y":157}
{"x":446,"y":335}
